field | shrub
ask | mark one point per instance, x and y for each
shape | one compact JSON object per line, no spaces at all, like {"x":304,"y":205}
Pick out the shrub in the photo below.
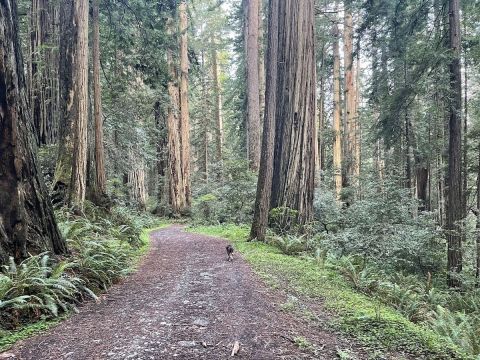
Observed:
{"x":226,"y":199}
{"x":381,"y":227}
{"x":38,"y":287}
{"x":289,"y":244}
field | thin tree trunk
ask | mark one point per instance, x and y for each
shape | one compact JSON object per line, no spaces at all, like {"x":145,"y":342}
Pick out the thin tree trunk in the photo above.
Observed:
{"x":321,"y":116}
{"x":350,"y":156}
{"x":455,"y":209}
{"x":137,"y":184}
{"x":218,"y":107}
{"x":205,"y":123}
{"x":337,"y":114}
{"x":253,"y":85}
{"x":27,"y":222}
{"x":184,"y":112}
{"x":261,"y":60}
{"x":477,"y":239}
{"x":357,"y":124}
{"x":465,"y":133}
{"x":100,"y":176}
{"x":162,"y":159}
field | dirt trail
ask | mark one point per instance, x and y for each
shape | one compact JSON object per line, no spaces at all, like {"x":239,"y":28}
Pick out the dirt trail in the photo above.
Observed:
{"x":187,"y":302}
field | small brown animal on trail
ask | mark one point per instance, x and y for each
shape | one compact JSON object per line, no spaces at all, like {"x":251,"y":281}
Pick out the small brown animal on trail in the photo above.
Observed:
{"x":230,"y":252}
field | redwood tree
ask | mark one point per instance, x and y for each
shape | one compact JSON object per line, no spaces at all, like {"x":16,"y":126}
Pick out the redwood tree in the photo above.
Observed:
{"x":70,"y":172}
{"x":27,"y":223}
{"x":100,"y":176}
{"x":454,"y":209}
{"x":287,"y":169}
{"x":251,"y":34}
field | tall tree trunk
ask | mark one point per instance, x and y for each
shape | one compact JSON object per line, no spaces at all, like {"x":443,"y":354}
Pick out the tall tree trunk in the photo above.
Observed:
{"x":261,"y":60}
{"x":176,"y":196}
{"x":253,"y":86}
{"x":184,"y":112}
{"x":454,"y":209}
{"x":162,"y":159}
{"x":27,"y":222}
{"x":70,"y":171}
{"x":100,"y":176}
{"x":465,"y":132}
{"x":321,"y":116}
{"x":337,"y":114}
{"x":350,"y":156}
{"x":80,"y":75}
{"x":291,"y":66}
{"x":218,"y":106}
{"x":203,"y":157}
{"x":357,"y":124}
{"x":477,"y":239}
{"x":264,"y":184}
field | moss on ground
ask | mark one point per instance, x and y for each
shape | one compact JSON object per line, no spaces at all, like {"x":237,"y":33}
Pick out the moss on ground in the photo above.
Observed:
{"x":374,"y":324}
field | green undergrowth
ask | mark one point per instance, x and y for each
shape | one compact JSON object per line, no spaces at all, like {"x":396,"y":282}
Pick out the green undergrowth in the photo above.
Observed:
{"x":374,"y":324}
{"x":9,"y":338}
{"x":42,"y":290}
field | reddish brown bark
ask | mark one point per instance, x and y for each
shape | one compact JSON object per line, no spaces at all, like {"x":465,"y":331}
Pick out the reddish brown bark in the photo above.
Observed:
{"x":27,"y":223}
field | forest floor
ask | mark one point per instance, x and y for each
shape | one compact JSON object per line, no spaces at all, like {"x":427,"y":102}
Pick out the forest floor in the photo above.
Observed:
{"x":187,"y":302}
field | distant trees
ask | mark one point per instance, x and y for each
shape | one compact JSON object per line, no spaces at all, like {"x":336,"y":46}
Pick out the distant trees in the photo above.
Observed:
{"x":43,"y":74}
{"x":287,"y":167}
{"x":27,"y":223}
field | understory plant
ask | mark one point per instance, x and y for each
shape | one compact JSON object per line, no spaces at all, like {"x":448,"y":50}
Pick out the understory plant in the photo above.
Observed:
{"x":102,"y":248}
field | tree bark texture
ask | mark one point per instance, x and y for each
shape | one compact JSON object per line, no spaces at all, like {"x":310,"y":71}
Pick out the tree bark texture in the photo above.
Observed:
{"x":290,"y":114}
{"x":184,"y":112}
{"x":350,"y":97}
{"x":218,"y":107}
{"x":251,"y":25}
{"x":176,"y":196}
{"x":337,"y":114}
{"x":454,"y":208}
{"x":100,"y":175}
{"x":27,"y":222}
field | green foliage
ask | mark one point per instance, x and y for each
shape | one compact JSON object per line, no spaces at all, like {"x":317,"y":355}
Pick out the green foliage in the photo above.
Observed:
{"x":38,"y":287}
{"x":380,"y":228}
{"x":103,"y":246}
{"x":9,"y":338}
{"x":461,"y":329}
{"x":228,"y":199}
{"x":289,"y":244}
{"x":357,"y":271}
{"x":379,"y":326}
{"x":283,"y":220}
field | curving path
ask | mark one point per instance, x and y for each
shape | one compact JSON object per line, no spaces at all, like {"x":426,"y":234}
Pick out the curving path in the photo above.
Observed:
{"x":184,"y":302}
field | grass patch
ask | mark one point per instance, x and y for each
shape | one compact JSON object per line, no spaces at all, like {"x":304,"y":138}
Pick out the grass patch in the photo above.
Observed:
{"x":9,"y":338}
{"x":371,"y":322}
